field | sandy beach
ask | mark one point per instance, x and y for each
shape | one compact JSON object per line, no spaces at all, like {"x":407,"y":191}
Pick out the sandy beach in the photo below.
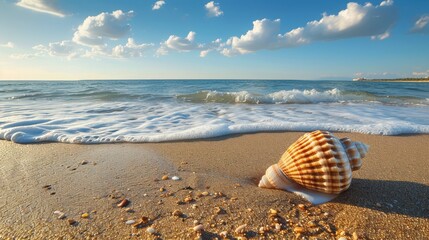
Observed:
{"x":388,"y":198}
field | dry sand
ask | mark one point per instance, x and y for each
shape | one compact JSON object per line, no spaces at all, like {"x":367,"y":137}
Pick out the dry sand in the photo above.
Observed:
{"x":388,"y":199}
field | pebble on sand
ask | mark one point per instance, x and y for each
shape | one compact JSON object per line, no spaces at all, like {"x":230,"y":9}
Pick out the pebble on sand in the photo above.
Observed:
{"x":177,"y":213}
{"x":150,"y":230}
{"x":175,"y":178}
{"x":71,"y":222}
{"x":60,"y":214}
{"x":165,"y":177}
{"x":85,"y":215}
{"x":130,"y":222}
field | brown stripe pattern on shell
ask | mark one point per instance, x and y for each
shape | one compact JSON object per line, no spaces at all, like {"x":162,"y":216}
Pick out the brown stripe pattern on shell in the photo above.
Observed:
{"x":320,"y":161}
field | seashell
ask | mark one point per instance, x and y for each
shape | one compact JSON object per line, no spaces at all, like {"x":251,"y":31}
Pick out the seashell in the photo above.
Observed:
{"x":318,"y":166}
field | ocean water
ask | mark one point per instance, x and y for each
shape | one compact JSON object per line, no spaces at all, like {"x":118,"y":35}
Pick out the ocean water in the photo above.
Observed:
{"x":166,"y":110}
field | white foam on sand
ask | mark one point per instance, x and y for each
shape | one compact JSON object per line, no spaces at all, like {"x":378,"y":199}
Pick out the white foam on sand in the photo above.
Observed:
{"x":157,"y":121}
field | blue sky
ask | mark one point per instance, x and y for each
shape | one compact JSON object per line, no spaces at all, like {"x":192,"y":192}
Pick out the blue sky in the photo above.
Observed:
{"x":280,"y":39}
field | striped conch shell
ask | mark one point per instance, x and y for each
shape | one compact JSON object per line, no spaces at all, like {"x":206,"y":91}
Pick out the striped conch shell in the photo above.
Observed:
{"x":318,"y":166}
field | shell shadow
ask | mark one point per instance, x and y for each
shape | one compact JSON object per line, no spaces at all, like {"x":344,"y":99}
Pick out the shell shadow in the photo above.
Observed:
{"x":401,"y":197}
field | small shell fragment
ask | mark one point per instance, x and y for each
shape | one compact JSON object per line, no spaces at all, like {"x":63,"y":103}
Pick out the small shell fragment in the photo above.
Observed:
{"x":199,"y":228}
{"x":240,"y":229}
{"x":298,"y":229}
{"x":165,"y":177}
{"x":175,"y":178}
{"x":273,"y":211}
{"x":85,"y":215}
{"x":60,"y":214}
{"x":130,"y":222}
{"x":123,"y":203}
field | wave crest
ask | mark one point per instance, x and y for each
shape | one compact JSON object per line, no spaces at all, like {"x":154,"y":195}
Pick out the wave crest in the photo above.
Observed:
{"x":280,"y":97}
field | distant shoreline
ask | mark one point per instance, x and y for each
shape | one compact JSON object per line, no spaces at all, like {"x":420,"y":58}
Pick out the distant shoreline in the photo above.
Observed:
{"x":395,"y":80}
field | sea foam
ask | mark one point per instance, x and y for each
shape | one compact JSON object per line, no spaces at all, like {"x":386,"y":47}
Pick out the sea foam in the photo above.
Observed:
{"x":127,"y":122}
{"x":162,"y":111}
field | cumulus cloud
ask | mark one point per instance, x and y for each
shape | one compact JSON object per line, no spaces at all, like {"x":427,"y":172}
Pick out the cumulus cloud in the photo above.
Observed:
{"x":213,"y":9}
{"x":90,"y":40}
{"x":421,"y":25}
{"x":8,"y":45}
{"x":131,"y":49}
{"x":59,"y":49}
{"x":354,"y":21}
{"x":179,"y":44}
{"x":216,"y":45}
{"x":44,"y":6}
{"x":157,"y":5}
{"x":96,"y":29}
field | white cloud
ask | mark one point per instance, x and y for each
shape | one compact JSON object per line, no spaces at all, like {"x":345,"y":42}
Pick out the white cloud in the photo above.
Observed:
{"x":96,"y":29}
{"x":22,"y":56}
{"x":157,"y":5}
{"x":131,"y":49}
{"x":421,"y":25}
{"x":70,"y":50}
{"x":379,"y":75}
{"x":59,"y":49}
{"x":216,"y":45}
{"x":213,"y":9}
{"x":354,"y":21}
{"x":421,"y":74}
{"x":44,"y":6}
{"x":8,"y":45}
{"x":179,"y":44}
{"x":205,"y":52}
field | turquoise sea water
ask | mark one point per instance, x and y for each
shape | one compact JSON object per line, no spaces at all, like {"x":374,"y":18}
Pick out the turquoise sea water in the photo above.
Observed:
{"x":165,"y":110}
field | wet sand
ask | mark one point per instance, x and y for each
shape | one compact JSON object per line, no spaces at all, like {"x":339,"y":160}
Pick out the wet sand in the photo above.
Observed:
{"x":388,"y":198}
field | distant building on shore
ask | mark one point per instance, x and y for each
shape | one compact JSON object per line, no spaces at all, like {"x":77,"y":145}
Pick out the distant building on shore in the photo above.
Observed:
{"x":359,"y":79}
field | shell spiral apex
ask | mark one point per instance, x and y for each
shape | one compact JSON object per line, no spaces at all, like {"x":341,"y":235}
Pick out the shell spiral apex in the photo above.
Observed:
{"x":317,"y":161}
